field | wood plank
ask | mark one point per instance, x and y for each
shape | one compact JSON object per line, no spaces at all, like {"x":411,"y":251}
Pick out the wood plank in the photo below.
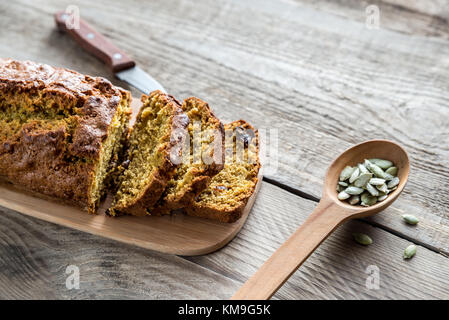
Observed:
{"x":338,"y":268}
{"x":419,"y":18}
{"x":320,"y":97}
{"x":278,"y":65}
{"x":34,"y":255}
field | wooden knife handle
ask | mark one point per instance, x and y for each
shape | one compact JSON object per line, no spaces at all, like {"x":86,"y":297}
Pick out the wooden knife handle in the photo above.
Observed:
{"x":95,"y":43}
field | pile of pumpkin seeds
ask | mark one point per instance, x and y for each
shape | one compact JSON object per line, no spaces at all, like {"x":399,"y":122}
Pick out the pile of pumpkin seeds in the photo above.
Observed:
{"x":368,"y":183}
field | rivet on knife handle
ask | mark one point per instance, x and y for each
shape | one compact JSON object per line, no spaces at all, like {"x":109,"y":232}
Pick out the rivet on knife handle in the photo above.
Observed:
{"x":95,"y":43}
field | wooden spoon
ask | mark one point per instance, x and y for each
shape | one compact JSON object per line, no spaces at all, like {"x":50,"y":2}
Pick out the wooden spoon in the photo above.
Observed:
{"x":326,"y":217}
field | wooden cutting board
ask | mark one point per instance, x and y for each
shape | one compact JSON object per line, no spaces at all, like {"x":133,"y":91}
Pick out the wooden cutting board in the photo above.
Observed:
{"x":176,"y":234}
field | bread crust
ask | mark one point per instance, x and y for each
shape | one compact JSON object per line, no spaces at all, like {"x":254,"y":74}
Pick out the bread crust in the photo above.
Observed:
{"x":57,"y":160}
{"x":153,"y":190}
{"x":232,"y":213}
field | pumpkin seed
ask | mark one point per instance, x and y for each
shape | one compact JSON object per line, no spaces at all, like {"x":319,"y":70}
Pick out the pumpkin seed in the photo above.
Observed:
{"x":354,"y":200}
{"x":362,"y":168}
{"x":410,"y":251}
{"x":410,"y":219}
{"x":363,"y":179}
{"x":352,"y":190}
{"x":343,"y":195}
{"x":367,"y":183}
{"x":393,"y":183}
{"x":383,"y":188}
{"x":393,"y":171}
{"x":362,"y":238}
{"x":377,"y":181}
{"x":354,"y":175}
{"x":368,"y":199}
{"x":378,"y":172}
{"x":383,"y":164}
{"x":346,"y":173}
{"x":373,"y":191}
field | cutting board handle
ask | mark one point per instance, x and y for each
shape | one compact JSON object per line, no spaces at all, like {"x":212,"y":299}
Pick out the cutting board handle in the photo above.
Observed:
{"x":93,"y":42}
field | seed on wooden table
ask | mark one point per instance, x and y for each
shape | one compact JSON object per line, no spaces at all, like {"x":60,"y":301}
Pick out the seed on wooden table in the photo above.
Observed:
{"x":410,"y":251}
{"x":362,"y":238}
{"x":410,"y":219}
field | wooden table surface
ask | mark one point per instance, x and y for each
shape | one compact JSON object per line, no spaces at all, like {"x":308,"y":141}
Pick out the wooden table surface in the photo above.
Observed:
{"x":313,"y":70}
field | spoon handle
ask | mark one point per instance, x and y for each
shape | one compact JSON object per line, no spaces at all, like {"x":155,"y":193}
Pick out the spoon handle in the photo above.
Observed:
{"x":288,"y":258}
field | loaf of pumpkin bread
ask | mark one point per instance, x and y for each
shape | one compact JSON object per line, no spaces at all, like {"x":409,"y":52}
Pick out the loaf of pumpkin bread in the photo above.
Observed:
{"x":227,"y":194}
{"x":60,"y":131}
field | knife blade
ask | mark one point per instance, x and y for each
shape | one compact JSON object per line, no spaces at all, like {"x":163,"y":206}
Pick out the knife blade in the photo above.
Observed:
{"x":123,"y":67}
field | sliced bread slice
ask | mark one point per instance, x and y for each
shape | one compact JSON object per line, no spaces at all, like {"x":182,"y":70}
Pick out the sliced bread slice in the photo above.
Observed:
{"x":228,"y":192}
{"x":203,"y":157}
{"x":153,"y":141}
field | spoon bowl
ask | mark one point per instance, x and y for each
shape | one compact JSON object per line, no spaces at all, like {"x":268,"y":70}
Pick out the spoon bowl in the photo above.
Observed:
{"x":383,"y":149}
{"x":327,"y":216}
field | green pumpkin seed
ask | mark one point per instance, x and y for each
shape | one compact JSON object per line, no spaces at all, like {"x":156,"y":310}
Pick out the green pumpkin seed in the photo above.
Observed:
{"x":382,"y":188}
{"x":362,"y":238}
{"x":410,"y":219}
{"x":393,"y":183}
{"x":367,"y":183}
{"x":377,"y":181}
{"x":354,"y":200}
{"x":393,"y":171}
{"x":378,"y":172}
{"x":368,"y":199}
{"x":373,"y":191}
{"x":346,"y":173}
{"x":354,"y":175}
{"x":353,"y":190}
{"x":362,"y":168}
{"x":383,"y":164}
{"x":410,"y":251}
{"x":363,"y":179}
{"x":343,"y":195}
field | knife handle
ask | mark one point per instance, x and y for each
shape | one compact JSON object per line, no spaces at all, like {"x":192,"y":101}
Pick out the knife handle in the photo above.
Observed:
{"x":95,"y":43}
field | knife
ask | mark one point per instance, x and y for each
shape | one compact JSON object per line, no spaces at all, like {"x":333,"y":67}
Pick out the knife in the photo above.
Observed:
{"x":123,"y":67}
